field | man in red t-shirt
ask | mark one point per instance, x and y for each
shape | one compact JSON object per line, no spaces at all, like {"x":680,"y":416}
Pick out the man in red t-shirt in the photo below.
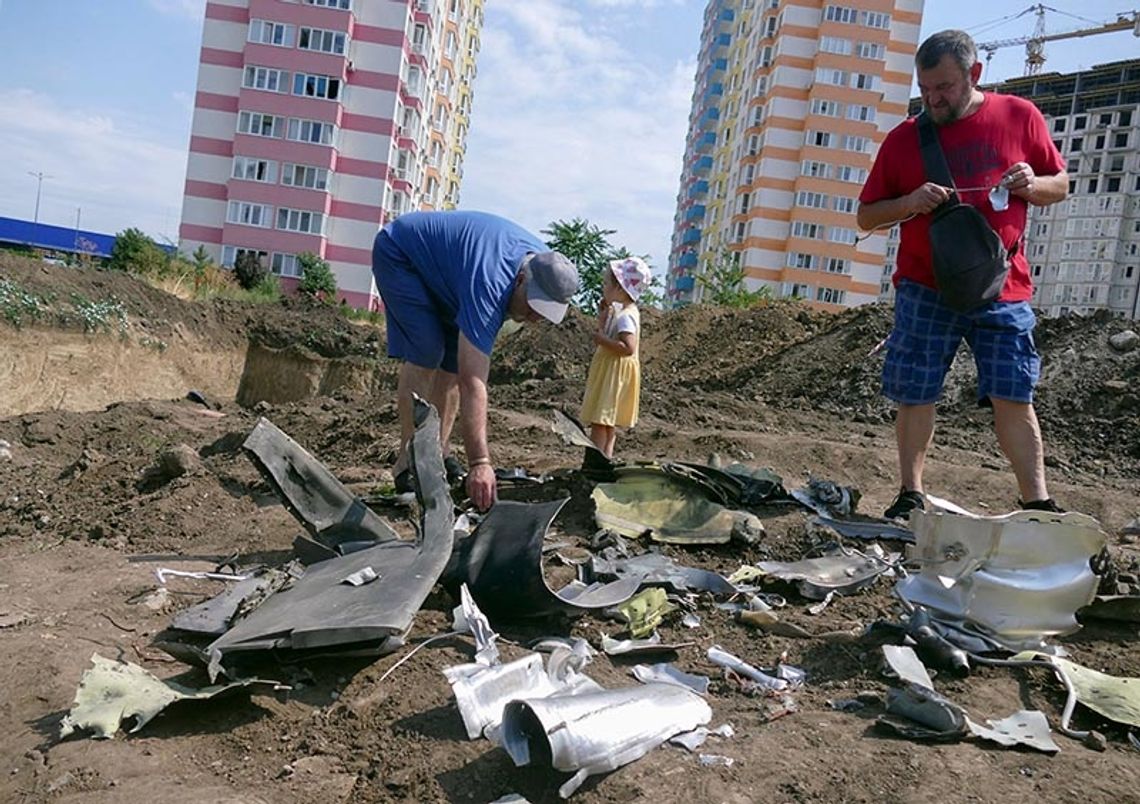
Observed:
{"x":1002,"y":159}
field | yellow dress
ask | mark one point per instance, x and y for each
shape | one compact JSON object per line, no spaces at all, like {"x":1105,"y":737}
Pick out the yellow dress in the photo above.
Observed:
{"x":613,"y":385}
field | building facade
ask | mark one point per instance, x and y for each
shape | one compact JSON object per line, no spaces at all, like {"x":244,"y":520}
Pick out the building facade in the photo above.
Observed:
{"x":791,"y":101}
{"x":317,"y":121}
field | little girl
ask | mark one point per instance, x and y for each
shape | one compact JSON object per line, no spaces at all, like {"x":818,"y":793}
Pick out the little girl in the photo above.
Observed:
{"x":613,"y":386}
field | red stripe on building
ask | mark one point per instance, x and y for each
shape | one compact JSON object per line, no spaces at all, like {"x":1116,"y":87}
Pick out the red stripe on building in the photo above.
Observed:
{"x":356,"y":212}
{"x":374,"y":80}
{"x":201,"y":234}
{"x":361,"y":167}
{"x":222,"y":58}
{"x":217,"y":11}
{"x":353,"y":256}
{"x":366,"y":123}
{"x":206,"y":189}
{"x":211,"y":146}
{"x":377,"y":35}
{"x":216,"y":102}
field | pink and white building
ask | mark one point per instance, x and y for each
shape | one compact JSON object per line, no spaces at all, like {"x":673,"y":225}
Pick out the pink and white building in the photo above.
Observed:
{"x":317,"y":121}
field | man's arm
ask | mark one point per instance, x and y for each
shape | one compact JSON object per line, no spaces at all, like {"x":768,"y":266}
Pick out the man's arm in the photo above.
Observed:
{"x":1041,"y":191}
{"x":924,"y":199}
{"x":474,"y":367}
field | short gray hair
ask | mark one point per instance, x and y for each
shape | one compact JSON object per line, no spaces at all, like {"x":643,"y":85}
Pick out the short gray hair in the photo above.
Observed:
{"x":957,"y":44}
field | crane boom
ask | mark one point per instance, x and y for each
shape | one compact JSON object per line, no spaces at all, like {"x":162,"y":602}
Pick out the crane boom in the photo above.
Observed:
{"x":1034,"y":44}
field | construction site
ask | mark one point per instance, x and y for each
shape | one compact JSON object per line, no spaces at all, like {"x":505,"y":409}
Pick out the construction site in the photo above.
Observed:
{"x":145,"y":469}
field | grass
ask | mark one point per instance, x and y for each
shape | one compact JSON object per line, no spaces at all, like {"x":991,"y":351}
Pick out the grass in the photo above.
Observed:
{"x":18,"y":306}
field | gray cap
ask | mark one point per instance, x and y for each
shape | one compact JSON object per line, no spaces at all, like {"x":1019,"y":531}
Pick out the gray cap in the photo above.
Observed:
{"x":551,"y":282}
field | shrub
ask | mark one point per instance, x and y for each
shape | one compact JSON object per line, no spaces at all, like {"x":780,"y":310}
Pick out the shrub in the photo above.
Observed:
{"x":317,"y":279}
{"x":248,"y":270}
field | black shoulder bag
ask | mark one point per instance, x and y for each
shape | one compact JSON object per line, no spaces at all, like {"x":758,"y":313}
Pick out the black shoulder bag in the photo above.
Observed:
{"x":970,"y":262}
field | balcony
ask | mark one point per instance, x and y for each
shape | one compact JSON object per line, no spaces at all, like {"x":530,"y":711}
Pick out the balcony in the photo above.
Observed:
{"x":698,"y":188}
{"x":684,"y":283}
{"x":695,"y":212}
{"x":690,"y":236}
{"x":705,"y":142}
{"x":714,"y":90}
{"x":687,"y":260}
{"x":703,"y":165}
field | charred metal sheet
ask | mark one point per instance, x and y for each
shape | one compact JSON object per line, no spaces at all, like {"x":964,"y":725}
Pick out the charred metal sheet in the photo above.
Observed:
{"x":213,"y":617}
{"x":1017,"y":578}
{"x":868,"y":528}
{"x":840,"y":571}
{"x":312,"y":494}
{"x":827,"y":498}
{"x":597,"y":732}
{"x":655,"y":568}
{"x":320,"y":612}
{"x":501,"y":563}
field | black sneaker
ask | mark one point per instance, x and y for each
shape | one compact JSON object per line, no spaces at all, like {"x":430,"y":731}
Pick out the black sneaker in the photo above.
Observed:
{"x":455,"y":470}
{"x":906,"y":502}
{"x":403,"y":482}
{"x":1048,"y":504}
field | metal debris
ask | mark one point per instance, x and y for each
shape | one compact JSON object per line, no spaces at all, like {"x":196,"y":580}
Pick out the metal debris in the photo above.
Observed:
{"x":652,"y":644}
{"x":645,"y":611}
{"x":723,"y":658}
{"x":1027,"y":727}
{"x":665,"y":673}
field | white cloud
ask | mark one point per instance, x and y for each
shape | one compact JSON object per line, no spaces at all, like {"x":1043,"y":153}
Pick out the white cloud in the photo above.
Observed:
{"x":188,"y":9}
{"x":568,"y":123}
{"x":118,"y":171}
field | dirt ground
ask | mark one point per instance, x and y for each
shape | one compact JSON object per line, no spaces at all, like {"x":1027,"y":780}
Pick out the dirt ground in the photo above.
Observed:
{"x":85,"y":521}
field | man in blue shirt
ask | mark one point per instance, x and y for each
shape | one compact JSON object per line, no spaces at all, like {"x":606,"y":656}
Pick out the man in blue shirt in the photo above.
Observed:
{"x":449,"y":280}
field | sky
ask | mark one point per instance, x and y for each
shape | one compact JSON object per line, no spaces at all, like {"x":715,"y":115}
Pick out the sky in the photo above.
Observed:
{"x":580,"y":106}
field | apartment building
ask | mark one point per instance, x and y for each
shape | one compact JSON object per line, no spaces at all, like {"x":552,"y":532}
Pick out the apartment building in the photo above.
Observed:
{"x":317,"y":121}
{"x":1084,"y":253}
{"x":790,"y":103}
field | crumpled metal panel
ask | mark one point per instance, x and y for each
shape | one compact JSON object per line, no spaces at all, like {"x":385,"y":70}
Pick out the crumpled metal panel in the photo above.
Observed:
{"x":1019,"y":577}
{"x":655,"y":568}
{"x":843,"y":571}
{"x":670,"y":508}
{"x":320,"y":611}
{"x":593,"y":733}
{"x":312,"y":494}
{"x":501,"y":563}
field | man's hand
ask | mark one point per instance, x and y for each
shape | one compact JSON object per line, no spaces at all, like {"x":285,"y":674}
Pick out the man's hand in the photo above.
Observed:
{"x":927,"y":198}
{"x":1019,"y":179}
{"x":481,"y":486}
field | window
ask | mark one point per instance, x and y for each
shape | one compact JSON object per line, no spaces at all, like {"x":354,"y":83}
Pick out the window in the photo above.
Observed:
{"x":1116,"y":163}
{"x":852,"y":142}
{"x":851,"y":174}
{"x":260,"y":125}
{"x":806,"y":198}
{"x":1100,"y":140}
{"x":265,"y":78}
{"x":863,"y":113}
{"x":1076,"y":144}
{"x":249,"y":214}
{"x":1059,"y":125}
{"x":1120,"y":140}
{"x":830,"y":295}
{"x":820,"y":139}
{"x":840,"y":14}
{"x":312,"y":178}
{"x":300,"y":220}
{"x":836,"y":265}
{"x":321,"y":41}
{"x":1124,"y":118}
{"x":844,"y":204}
{"x":310,"y":131}
{"x":807,"y":231}
{"x":864,"y":81}
{"x":875,"y":19}
{"x":1104,"y":120}
{"x":1092,"y":185}
{"x":828,"y":75}
{"x":827,"y":108}
{"x":250,"y":169}
{"x":807,"y":262}
{"x":841,"y":234}
{"x":819,"y":170}
{"x":344,"y":5}
{"x":231,"y":253}
{"x":285,"y":265}
{"x":871,"y":50}
{"x":835,"y":44}
{"x":316,"y":86}
{"x":1112,"y":184}
{"x":1080,"y":122}
{"x":264,"y":32}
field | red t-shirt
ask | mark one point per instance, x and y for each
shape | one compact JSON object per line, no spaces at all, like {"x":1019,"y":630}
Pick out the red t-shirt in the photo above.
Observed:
{"x":1005,"y":130}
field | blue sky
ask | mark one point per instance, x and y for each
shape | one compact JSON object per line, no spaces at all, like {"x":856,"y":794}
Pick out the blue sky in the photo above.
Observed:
{"x":580,"y":108}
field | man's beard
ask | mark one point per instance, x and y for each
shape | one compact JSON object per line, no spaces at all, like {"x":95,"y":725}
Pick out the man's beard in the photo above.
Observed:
{"x":945,"y":115}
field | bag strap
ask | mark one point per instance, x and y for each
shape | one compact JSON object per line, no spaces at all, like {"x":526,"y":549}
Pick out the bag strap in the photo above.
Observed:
{"x":933,"y":160}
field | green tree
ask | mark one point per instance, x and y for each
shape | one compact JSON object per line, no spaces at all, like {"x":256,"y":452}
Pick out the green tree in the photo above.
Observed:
{"x":136,"y":253}
{"x":723,"y":283}
{"x":248,"y":269}
{"x":202,"y":263}
{"x":317,"y":278}
{"x":589,"y":248}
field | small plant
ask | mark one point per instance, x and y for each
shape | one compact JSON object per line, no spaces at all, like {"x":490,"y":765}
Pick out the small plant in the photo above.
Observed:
{"x":317,"y":279}
{"x":267,"y":290}
{"x":100,"y":315}
{"x":18,"y":305}
{"x":248,"y":270}
{"x":374,"y":317}
{"x":157,"y":344}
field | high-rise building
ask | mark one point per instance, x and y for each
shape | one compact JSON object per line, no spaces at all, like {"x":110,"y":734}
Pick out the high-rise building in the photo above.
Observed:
{"x":1084,"y":252}
{"x":791,"y":101}
{"x":317,"y":121}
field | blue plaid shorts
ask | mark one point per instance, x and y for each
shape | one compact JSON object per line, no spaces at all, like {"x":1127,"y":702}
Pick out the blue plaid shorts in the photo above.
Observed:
{"x":927,"y":334}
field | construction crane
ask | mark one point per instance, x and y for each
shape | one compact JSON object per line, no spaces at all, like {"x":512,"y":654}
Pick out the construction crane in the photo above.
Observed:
{"x":1035,"y":43}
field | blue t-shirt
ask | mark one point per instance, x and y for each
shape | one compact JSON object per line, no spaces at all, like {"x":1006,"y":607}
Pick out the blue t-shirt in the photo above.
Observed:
{"x":468,"y":261}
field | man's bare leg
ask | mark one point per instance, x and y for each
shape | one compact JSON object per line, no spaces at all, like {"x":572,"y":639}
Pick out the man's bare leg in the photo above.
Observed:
{"x":1019,"y":435}
{"x":914,"y":431}
{"x":413,"y":379}
{"x":445,"y":397}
